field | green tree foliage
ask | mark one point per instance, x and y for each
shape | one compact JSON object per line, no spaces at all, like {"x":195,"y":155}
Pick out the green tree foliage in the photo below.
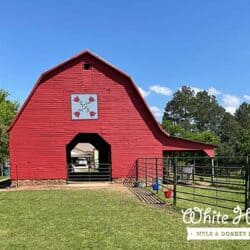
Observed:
{"x":173,"y":129}
{"x":194,"y":116}
{"x":178,"y":131}
{"x":242,"y":115}
{"x":229,"y":133}
{"x":194,"y":111}
{"x":198,"y":116}
{"x":203,"y":136}
{"x":179,"y":109}
{"x":207,"y":113}
{"x":8,"y":110}
{"x":245,"y":142}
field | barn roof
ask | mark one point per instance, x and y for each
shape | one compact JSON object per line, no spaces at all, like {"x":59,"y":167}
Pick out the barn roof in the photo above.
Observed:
{"x":169,"y":142}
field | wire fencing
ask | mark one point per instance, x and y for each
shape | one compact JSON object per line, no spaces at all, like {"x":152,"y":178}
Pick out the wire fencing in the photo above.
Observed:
{"x":220,"y":182}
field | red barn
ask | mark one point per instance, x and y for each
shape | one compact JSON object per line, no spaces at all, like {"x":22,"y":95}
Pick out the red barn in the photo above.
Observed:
{"x":86,"y":100}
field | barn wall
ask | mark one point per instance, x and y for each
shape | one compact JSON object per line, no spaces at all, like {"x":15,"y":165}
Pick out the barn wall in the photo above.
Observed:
{"x":39,"y":137}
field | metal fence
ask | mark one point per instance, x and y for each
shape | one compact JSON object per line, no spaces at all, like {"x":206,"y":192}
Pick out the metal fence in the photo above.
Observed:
{"x":93,"y":172}
{"x":221,"y":181}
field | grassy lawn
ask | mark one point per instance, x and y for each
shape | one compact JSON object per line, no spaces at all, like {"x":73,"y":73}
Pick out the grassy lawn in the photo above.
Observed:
{"x":223,"y":192}
{"x":194,"y":200}
{"x":235,"y":183}
{"x":4,"y":178}
{"x":90,"y":219}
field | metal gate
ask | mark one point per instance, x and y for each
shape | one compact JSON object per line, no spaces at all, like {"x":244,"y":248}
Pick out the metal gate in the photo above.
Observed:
{"x":93,"y":172}
{"x":219,"y":182}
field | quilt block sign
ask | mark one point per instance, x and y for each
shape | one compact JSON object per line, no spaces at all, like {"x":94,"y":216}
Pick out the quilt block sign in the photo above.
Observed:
{"x":84,"y":107}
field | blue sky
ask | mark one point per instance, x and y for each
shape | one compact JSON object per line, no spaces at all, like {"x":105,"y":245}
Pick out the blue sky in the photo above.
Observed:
{"x":161,"y":44}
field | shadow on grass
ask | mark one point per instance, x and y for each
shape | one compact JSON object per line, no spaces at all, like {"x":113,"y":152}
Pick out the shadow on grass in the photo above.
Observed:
{"x":5,"y":183}
{"x":143,"y":194}
{"x":147,"y":196}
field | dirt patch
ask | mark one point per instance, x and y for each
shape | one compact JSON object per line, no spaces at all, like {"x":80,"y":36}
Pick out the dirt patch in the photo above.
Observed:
{"x":76,"y":186}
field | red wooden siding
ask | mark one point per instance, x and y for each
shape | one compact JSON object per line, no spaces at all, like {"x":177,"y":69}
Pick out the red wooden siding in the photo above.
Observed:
{"x":43,"y":127}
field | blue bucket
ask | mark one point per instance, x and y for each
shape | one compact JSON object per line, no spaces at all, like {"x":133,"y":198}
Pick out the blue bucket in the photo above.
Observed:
{"x":156,"y":186}
{"x":159,"y":180}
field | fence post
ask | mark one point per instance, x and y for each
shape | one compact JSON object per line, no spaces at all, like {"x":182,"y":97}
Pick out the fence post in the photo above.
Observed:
{"x":193,"y":171}
{"x":110,"y":172}
{"x":146,"y":173}
{"x":247,"y":186}
{"x":156,"y":173}
{"x":17,"y":182}
{"x":175,"y":181}
{"x":212,"y":174}
{"x":136,"y":171}
{"x":248,"y":192}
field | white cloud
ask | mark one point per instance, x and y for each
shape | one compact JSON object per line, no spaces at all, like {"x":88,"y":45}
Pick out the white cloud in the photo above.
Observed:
{"x":231,"y":100}
{"x":196,"y":90}
{"x":230,"y":103}
{"x":161,"y":90}
{"x":158,"y":113}
{"x":143,"y":92}
{"x":230,"y":110}
{"x":213,"y":91}
{"x":246,"y":97}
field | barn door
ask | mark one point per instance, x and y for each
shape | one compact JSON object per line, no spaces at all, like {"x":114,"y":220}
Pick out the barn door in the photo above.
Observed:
{"x":88,"y":158}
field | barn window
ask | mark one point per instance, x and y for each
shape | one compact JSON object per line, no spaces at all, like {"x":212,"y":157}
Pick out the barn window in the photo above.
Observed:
{"x":87,"y":66}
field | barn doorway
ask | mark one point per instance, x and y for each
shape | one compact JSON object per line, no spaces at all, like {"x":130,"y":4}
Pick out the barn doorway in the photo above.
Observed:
{"x":88,"y":158}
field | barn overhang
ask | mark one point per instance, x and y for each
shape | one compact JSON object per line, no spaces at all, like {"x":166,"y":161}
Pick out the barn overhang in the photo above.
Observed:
{"x":176,"y":144}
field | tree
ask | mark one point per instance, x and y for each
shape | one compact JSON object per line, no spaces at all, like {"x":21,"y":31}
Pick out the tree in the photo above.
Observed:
{"x":179,"y":109}
{"x":8,"y":110}
{"x":225,"y":149}
{"x":204,"y":136}
{"x":194,"y":112}
{"x":173,"y":129}
{"x":242,"y":115}
{"x":245,"y":142}
{"x":229,"y":132}
{"x":207,"y":113}
{"x":198,"y":116}
{"x":178,"y":131}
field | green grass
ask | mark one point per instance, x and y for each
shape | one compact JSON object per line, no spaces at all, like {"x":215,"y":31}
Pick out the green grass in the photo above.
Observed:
{"x":237,"y":183}
{"x":234,"y":182}
{"x":198,"y":201}
{"x":4,"y":178}
{"x":198,"y":190}
{"x":91,"y":219}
